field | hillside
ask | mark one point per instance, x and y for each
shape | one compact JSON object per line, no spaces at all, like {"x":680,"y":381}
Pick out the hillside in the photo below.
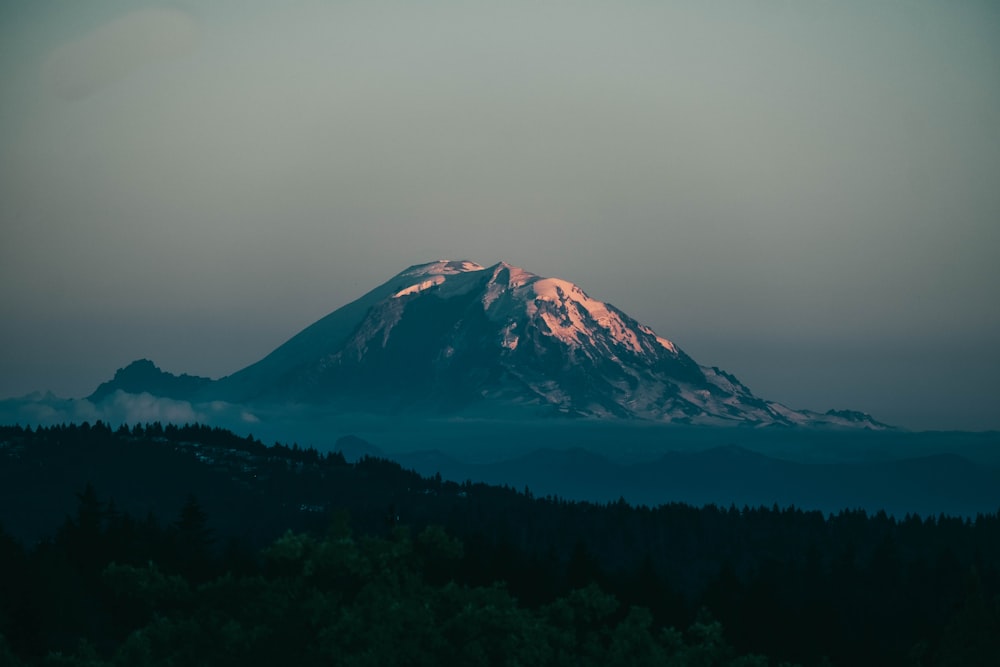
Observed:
{"x":793,"y":585}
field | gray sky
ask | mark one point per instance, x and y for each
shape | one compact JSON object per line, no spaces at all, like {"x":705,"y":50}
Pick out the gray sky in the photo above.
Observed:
{"x":806,"y":194}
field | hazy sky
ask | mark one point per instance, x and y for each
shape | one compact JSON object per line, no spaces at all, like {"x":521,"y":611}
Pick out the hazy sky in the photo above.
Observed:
{"x":806,"y":194}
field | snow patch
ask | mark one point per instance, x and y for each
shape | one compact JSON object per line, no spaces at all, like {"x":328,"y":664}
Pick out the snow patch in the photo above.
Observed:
{"x":573,"y":301}
{"x":509,"y":337}
{"x":787,"y":413}
{"x":420,"y":287}
{"x":723,"y":382}
{"x":442,"y":267}
{"x":517,"y":275}
{"x":659,"y":339}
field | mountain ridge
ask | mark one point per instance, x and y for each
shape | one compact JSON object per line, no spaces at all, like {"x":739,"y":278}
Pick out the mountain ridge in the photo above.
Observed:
{"x":143,"y":375}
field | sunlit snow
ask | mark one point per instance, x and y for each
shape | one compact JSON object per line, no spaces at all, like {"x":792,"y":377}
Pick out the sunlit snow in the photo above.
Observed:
{"x":572,"y":299}
{"x":420,"y":287}
{"x":442,"y":267}
{"x":525,"y":307}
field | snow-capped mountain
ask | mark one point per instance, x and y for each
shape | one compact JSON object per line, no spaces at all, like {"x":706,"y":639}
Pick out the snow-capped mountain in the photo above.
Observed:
{"x":456,"y":337}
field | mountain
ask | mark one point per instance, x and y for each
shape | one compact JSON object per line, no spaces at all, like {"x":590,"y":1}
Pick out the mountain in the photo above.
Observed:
{"x":144,"y":376}
{"x":454,"y":337}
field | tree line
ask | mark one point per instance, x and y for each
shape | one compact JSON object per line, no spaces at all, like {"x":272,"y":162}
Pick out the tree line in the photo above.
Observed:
{"x":798,"y":586}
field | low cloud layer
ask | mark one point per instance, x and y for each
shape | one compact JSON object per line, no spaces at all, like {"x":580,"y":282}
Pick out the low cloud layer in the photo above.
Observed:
{"x":46,"y":409}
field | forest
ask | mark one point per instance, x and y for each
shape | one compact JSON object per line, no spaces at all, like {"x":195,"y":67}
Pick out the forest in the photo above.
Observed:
{"x":166,"y":545}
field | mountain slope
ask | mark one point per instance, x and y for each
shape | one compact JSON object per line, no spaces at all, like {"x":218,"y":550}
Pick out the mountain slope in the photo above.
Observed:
{"x":454,"y":337}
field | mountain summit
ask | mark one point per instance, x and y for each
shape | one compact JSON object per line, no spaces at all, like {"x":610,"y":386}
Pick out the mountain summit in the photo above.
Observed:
{"x":454,"y":337}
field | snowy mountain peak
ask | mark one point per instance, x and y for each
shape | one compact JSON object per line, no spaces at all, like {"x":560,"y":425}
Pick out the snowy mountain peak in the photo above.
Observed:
{"x":441,"y":267}
{"x":457,"y":337}
{"x":512,"y":276}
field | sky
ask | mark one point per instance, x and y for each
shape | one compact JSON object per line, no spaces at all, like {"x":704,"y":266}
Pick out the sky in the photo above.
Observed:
{"x":803,"y":193}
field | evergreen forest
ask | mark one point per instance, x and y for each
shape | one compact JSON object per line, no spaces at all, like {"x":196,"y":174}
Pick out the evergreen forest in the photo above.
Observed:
{"x":159,"y":544}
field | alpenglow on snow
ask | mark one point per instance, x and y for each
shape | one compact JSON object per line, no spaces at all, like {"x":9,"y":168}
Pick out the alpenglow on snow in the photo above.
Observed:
{"x":454,"y":337}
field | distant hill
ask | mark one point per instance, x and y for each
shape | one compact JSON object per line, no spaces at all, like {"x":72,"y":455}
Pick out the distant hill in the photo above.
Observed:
{"x":926,"y":485}
{"x":144,"y":376}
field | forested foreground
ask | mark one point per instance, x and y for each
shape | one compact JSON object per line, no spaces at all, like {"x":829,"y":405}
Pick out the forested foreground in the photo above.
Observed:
{"x":330,"y":600}
{"x":386,"y":567}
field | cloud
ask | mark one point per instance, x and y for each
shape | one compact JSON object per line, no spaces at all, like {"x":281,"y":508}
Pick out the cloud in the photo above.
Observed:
{"x":132,"y":408}
{"x":116,"y":49}
{"x":21,"y":411}
{"x":120,"y":407}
